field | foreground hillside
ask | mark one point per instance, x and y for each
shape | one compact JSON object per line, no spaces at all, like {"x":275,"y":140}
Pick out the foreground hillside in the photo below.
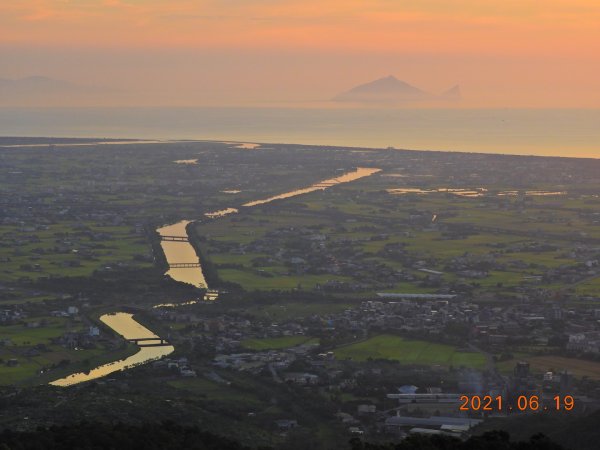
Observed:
{"x":167,"y":436}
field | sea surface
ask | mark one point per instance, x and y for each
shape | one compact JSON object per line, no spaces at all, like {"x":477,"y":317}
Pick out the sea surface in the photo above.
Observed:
{"x":552,"y":132}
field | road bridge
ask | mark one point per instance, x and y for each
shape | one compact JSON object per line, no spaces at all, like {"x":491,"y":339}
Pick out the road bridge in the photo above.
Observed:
{"x":183,"y":265}
{"x":153,"y":342}
{"x":174,"y":238}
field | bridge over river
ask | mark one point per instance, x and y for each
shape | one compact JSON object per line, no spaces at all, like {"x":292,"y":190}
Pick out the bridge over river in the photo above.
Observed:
{"x":132,"y":331}
{"x":153,"y":342}
{"x":174,"y":238}
{"x":188,"y":265}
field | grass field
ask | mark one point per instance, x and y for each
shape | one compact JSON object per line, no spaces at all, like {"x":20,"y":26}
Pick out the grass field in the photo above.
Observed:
{"x":278,"y":342}
{"x":590,"y":287}
{"x":253,"y":281}
{"x":13,"y":375}
{"x":22,"y":335}
{"x":406,"y":351}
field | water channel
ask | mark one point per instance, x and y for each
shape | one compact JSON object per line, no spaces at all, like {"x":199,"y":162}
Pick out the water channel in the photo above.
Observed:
{"x":180,"y":252}
{"x":128,"y":328}
{"x":477,"y":192}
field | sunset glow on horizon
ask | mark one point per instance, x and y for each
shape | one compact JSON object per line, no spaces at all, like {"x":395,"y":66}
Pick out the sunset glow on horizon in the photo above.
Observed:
{"x":522,"y":53}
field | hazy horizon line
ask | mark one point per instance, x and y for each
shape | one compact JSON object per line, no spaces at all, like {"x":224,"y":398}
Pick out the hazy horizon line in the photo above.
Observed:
{"x":154,"y":141}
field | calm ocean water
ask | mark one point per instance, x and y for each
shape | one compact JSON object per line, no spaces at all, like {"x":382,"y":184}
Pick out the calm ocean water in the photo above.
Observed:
{"x":557,"y":132}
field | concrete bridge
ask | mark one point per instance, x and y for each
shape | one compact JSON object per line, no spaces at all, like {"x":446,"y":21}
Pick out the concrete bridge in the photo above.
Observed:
{"x":154,"y":342}
{"x":183,"y":265}
{"x":174,"y":238}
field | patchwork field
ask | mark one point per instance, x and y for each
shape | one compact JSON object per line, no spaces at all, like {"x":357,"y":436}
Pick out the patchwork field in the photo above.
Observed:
{"x":489,"y":243}
{"x":69,"y":249}
{"x":49,"y":328}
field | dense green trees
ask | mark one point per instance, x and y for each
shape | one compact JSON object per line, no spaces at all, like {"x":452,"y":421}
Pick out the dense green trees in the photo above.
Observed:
{"x":168,"y":435}
{"x":492,"y":440}
{"x":120,"y":436}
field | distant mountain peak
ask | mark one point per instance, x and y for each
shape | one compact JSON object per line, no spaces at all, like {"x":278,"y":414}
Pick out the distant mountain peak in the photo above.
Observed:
{"x":453,"y":93}
{"x":390,"y":89}
{"x":387,"y":88}
{"x":390,"y":79}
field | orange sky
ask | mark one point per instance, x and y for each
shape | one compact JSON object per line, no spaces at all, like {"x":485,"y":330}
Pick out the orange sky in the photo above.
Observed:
{"x":502,"y":53}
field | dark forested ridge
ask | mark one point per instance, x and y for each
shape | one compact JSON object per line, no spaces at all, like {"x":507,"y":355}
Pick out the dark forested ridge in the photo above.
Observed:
{"x":169,"y":435}
{"x":492,"y":440}
{"x":120,"y":436}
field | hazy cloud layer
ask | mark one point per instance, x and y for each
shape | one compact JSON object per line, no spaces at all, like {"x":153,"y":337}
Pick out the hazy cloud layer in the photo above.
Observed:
{"x":180,"y":51}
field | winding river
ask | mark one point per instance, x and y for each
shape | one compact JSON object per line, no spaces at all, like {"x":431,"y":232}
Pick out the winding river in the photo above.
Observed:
{"x":181,"y":252}
{"x":360,"y":172}
{"x":177,"y":252}
{"x":126,"y":326}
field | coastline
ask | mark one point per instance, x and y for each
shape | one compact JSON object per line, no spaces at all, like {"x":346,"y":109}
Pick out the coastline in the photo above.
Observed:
{"x":527,"y":132}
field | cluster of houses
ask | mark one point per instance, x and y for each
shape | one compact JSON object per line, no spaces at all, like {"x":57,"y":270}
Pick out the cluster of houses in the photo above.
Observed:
{"x":302,"y":250}
{"x":12,"y":315}
{"x":254,"y":362}
{"x":181,"y":365}
{"x":498,"y":329}
{"x":305,"y":250}
{"x":71,"y":311}
{"x":495,"y":328}
{"x":489,"y":326}
{"x":585,"y":342}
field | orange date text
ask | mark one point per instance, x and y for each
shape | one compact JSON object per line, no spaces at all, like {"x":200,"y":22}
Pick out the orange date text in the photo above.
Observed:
{"x":488,"y":403}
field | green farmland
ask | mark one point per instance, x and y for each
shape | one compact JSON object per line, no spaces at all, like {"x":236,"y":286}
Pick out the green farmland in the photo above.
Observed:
{"x":68,"y":250}
{"x":372,"y":235}
{"x":406,"y":351}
